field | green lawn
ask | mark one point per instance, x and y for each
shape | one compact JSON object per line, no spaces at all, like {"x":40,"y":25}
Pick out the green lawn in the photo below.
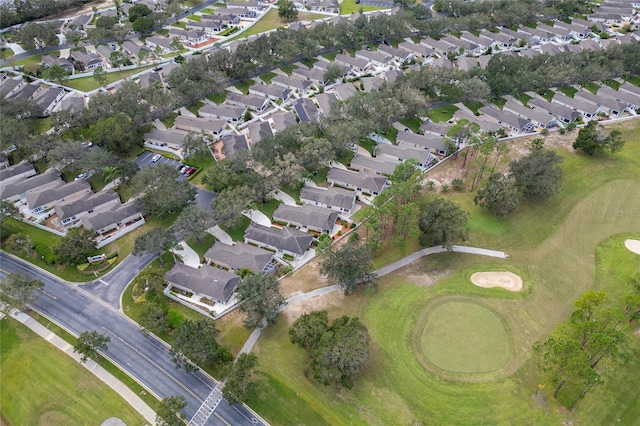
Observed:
{"x":203,"y":163}
{"x":347,"y":7}
{"x":219,"y":97}
{"x":201,"y":247}
{"x":6,"y":53}
{"x":634,"y":79}
{"x":196,"y":18}
{"x":170,"y":119}
{"x":442,"y":114}
{"x":267,"y":208}
{"x":547,"y":94}
{"x":41,"y":125}
{"x":86,"y":84}
{"x":524,"y":98}
{"x":288,"y":68}
{"x":41,"y":385}
{"x":413,"y":124}
{"x":592,"y":87}
{"x":237,"y":232}
{"x":612,"y":83}
{"x":499,"y":101}
{"x":244,"y":86}
{"x":368,"y":144}
{"x":568,"y":90}
{"x":556,"y":247}
{"x":195,"y":108}
{"x":473,"y":106}
{"x":271,"y":20}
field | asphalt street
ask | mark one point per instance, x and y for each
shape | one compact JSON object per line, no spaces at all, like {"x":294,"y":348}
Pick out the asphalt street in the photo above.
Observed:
{"x":147,"y":359}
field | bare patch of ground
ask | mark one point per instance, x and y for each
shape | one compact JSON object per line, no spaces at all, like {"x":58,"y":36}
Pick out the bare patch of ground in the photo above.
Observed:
{"x":327,"y":301}
{"x":507,"y":280}
{"x":303,"y":280}
{"x":633,"y":246}
{"x":418,"y":274}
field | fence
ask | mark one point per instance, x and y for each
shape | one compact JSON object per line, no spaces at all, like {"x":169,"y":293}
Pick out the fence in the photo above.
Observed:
{"x":121,"y":233}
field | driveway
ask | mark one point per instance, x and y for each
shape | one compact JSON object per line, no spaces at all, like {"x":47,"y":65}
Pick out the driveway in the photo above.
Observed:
{"x":284,"y":198}
{"x":256,"y":216}
{"x":188,"y":255}
{"x":220,"y":235}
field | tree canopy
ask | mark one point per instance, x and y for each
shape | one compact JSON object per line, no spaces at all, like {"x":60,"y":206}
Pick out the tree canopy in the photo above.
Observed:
{"x":538,"y":175}
{"x":17,"y":290}
{"x":75,"y":246}
{"x":500,"y":195}
{"x":89,"y":343}
{"x":348,"y":266}
{"x":594,"y":139}
{"x":161,"y":193}
{"x":169,"y":413}
{"x":259,"y":297}
{"x":308,"y":329}
{"x":238,"y":381}
{"x":441,"y":222}
{"x":195,"y":343}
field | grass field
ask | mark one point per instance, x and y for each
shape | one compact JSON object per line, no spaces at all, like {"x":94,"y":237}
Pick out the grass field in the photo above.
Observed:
{"x":271,"y":21}
{"x":441,"y":114}
{"x":86,"y":84}
{"x":561,"y":248}
{"x":42,"y":386}
{"x":347,"y":7}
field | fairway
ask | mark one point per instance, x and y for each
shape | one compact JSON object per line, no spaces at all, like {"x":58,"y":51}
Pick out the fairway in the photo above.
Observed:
{"x":464,"y":337}
{"x":43,"y":386}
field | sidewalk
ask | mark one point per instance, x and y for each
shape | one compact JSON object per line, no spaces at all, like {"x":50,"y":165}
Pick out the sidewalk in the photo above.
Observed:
{"x":127,"y":394}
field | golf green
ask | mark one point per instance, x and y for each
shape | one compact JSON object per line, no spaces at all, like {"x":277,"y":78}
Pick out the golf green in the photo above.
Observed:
{"x":465,"y":337}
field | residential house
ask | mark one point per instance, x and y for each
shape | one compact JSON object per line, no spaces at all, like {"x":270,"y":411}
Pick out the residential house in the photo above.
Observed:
{"x":403,"y":152}
{"x":79,"y":22}
{"x":307,"y":216}
{"x":374,"y":58}
{"x":134,"y":49}
{"x":399,"y":55}
{"x":105,"y":52}
{"x":17,"y":189}
{"x":9,"y":86}
{"x":285,"y":241}
{"x":191,"y":38}
{"x":563,"y":113}
{"x":48,"y":99}
{"x":234,"y":143}
{"x":344,"y":91}
{"x":210,"y":126}
{"x":538,"y":118}
{"x":87,"y":61}
{"x":434,"y":144}
{"x":442,"y":62}
{"x":259,"y":130}
{"x":49,"y":60}
{"x":630,"y":88}
{"x":499,"y":40}
{"x":362,"y":182}
{"x":270,"y":91}
{"x":379,"y":165}
{"x":550,"y":49}
{"x":311,"y":74}
{"x":292,"y":83}
{"x":368,"y":84}
{"x":208,"y":281}
{"x":417,"y":49}
{"x":339,"y":199}
{"x":69,"y":213}
{"x":577,"y":31}
{"x":224,"y":18}
{"x":478,"y":44}
{"x":609,"y":105}
{"x":251,"y":5}
{"x":442,"y":48}
{"x":239,"y":256}
{"x":209,"y":26}
{"x":560,"y":34}
{"x":149,"y":79}
{"x":282,"y":120}
{"x":437,"y":129}
{"x":114,"y":218}
{"x":20,"y":171}
{"x":324,"y":101}
{"x":484,"y":60}
{"x":256,"y":103}
{"x":44,"y":198}
{"x":163,"y":44}
{"x":507,"y":119}
{"x":71,"y":103}
{"x":589,"y":45}
{"x":631,"y":99}
{"x":355,"y":64}
{"x":234,"y":114}
{"x":240,"y":12}
{"x":587,"y":109}
{"x":466,"y":63}
{"x":537,"y":36}
{"x":170,"y":138}
{"x":331,"y":6}
{"x":392,"y":75}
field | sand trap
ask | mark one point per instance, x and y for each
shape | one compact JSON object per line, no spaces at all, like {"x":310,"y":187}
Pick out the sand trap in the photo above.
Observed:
{"x":633,"y":245}
{"x":507,"y":280}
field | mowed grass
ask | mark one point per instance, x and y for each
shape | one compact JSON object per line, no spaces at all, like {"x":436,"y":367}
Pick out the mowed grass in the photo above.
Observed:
{"x":43,"y":386}
{"x":271,"y":21}
{"x":347,"y":7}
{"x":86,"y":84}
{"x":553,"y":246}
{"x":464,"y":337}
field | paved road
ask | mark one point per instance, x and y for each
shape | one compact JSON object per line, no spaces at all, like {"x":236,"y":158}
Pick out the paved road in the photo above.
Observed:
{"x":147,"y":359}
{"x":253,"y":337}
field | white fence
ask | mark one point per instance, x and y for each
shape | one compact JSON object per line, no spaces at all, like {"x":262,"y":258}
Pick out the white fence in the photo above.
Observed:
{"x":125,"y":231}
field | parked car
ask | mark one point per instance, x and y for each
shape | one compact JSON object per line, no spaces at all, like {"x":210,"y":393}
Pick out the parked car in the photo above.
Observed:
{"x":190,"y":171}
{"x":183,"y":169}
{"x":80,"y":176}
{"x":156,"y":158}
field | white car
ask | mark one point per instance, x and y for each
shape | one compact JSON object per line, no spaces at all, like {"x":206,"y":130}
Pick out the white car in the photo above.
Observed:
{"x":156,"y":158}
{"x":80,"y":176}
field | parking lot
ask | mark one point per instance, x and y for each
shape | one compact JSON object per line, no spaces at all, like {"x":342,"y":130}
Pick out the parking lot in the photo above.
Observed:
{"x":145,"y":160}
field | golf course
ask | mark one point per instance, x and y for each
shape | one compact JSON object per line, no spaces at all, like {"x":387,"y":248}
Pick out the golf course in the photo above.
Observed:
{"x":445,"y":350}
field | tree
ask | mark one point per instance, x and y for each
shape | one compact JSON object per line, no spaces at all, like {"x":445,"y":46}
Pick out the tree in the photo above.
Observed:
{"x":155,"y":242}
{"x":333,"y":72}
{"x":100,"y":75}
{"x":16,"y":290}
{"x":37,"y":35}
{"x":594,"y":139}
{"x":307,"y":330}
{"x":155,"y":318}
{"x":230,"y":203}
{"x":349,"y":266}
{"x":137,"y":11}
{"x":287,"y":10}
{"x":118,"y":133}
{"x":259,"y":297}
{"x":7,"y":209}
{"x":441,"y":222}
{"x":162,"y":194}
{"x":143,"y":25}
{"x":538,"y":175}
{"x":632,"y":299}
{"x":106,"y":22}
{"x":500,"y":196}
{"x":56,"y":73}
{"x":89,"y":343}
{"x":195,"y":343}
{"x":239,"y":378}
{"x":64,"y":153}
{"x":193,"y":222}
{"x":75,"y":246}
{"x":169,"y":412}
{"x":196,"y":144}
{"x":342,"y":352}
{"x":20,"y":242}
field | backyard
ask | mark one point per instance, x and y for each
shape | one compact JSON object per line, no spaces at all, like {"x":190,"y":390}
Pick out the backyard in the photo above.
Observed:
{"x":561,"y":248}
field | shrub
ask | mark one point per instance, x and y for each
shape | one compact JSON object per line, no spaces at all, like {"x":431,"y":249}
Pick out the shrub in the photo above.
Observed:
{"x":458,"y":184}
{"x":46,"y":252}
{"x":445,"y":188}
{"x":174,"y":318}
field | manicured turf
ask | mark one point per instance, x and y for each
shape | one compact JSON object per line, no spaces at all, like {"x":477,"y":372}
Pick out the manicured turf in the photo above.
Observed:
{"x":553,"y":246}
{"x":441,"y":114}
{"x":347,"y":7}
{"x":464,"y":337}
{"x":43,"y":386}
{"x":568,"y":90}
{"x":413,"y":124}
{"x":271,"y":21}
{"x":201,"y":247}
{"x":89,"y":83}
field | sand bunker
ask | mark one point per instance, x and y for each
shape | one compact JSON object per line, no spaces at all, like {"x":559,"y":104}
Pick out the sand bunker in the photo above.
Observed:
{"x":507,"y":280}
{"x":633,"y":245}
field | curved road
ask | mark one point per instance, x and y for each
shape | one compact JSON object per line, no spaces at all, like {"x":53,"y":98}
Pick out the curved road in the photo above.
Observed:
{"x":146,"y":359}
{"x":255,"y":334}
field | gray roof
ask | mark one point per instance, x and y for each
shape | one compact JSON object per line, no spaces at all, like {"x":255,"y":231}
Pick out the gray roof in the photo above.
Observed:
{"x":628,"y":87}
{"x":603,"y":99}
{"x":374,"y":56}
{"x":37,"y":198}
{"x":343,"y":59}
{"x":485,"y":125}
{"x":345,"y":90}
{"x":287,"y":239}
{"x":427,"y":141}
{"x":238,"y":256}
{"x":72,"y":103}
{"x":532,"y":114}
{"x":233,"y":143}
{"x":223,"y":111}
{"x":325,"y":100}
{"x":22,"y":186}
{"x":364,"y":180}
{"x":331,"y":196}
{"x":259,"y":130}
{"x":403,"y":152}
{"x":167,"y":136}
{"x":560,"y":111}
{"x":15,"y":170}
{"x":624,"y":96}
{"x":251,"y":101}
{"x":117,"y":213}
{"x":306,"y":110}
{"x":86,"y":203}
{"x":207,"y":280}
{"x":291,"y":82}
{"x":504,"y":116}
{"x":312,"y":74}
{"x":577,"y":104}
{"x":437,"y":128}
{"x":195,"y":124}
{"x":419,"y":49}
{"x":306,"y":215}
{"x":282,"y":120}
{"x":9,"y":84}
{"x":376,"y":164}
{"x":270,"y":90}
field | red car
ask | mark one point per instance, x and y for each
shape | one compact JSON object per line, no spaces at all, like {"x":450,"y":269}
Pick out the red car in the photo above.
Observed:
{"x":190,"y":171}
